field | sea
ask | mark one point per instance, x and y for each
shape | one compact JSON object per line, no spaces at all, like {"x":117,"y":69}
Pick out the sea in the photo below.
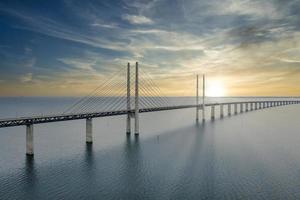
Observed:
{"x":251,"y":155}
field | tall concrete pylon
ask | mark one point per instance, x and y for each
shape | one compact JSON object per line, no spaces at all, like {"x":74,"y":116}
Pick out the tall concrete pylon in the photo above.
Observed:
{"x":128,"y":121}
{"x":197,"y":99}
{"x":203,"y":99}
{"x":136,"y":112}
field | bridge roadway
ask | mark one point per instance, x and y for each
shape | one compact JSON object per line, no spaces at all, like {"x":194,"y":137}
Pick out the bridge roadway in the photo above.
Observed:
{"x":67,"y":117}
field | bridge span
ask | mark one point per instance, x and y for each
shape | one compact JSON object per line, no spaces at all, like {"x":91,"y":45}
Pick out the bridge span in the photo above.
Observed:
{"x":231,"y":107}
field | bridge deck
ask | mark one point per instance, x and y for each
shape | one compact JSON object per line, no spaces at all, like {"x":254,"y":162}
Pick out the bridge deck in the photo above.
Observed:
{"x":66,"y":117}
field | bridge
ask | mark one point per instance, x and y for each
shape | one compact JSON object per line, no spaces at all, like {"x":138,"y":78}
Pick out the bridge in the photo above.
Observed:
{"x":118,"y":100}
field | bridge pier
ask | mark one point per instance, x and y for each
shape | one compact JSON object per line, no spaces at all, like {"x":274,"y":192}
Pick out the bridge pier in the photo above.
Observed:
{"x":241,"y":108}
{"x":212,"y":109}
{"x":29,"y":139}
{"x":229,"y":109}
{"x":89,"y":130}
{"x":235,"y":109}
{"x":221,"y":110}
{"x":247,"y":107}
{"x":259,"y":105}
{"x":251,"y":106}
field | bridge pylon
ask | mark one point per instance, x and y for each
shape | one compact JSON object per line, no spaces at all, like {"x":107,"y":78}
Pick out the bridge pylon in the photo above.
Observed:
{"x":135,"y":114}
{"x":136,"y":110}
{"x":197,"y":99}
{"x":203,"y":99}
{"x":128,"y":120}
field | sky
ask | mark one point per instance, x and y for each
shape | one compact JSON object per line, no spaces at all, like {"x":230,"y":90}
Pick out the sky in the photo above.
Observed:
{"x":69,"y":47}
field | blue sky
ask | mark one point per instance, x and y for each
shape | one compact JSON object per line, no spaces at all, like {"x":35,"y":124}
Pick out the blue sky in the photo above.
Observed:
{"x":67,"y":47}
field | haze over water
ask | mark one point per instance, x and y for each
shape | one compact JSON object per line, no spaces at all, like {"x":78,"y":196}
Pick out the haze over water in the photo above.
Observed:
{"x":254,"y":155}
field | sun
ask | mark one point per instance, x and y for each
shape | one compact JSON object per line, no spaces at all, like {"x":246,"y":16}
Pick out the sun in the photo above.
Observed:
{"x":215,"y":89}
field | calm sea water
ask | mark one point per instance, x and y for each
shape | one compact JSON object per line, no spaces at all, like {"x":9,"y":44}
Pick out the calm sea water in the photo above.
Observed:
{"x":254,"y":155}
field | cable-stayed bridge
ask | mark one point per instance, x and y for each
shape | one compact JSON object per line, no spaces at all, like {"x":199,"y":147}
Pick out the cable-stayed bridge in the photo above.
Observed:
{"x":130,"y":92}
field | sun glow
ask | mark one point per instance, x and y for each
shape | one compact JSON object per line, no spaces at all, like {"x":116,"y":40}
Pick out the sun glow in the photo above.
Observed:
{"x":215,"y":89}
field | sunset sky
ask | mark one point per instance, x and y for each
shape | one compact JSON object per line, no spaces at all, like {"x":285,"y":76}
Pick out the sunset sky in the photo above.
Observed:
{"x":66,"y":48}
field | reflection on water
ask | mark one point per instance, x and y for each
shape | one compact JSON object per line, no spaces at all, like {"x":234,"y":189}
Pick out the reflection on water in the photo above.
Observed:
{"x":30,"y":173}
{"x":248,"y":156}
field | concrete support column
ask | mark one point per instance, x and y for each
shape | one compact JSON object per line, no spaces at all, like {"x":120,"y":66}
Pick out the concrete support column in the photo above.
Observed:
{"x":136,"y":111}
{"x":203,"y":99}
{"x":255,"y":105}
{"x":229,"y":109}
{"x":29,"y":139}
{"x":241,"y":108}
{"x":246,"y":107}
{"x":251,"y":106}
{"x":212,"y":112}
{"x":197,"y":98}
{"x":128,"y":120}
{"x":235,"y":109}
{"x":221,"y":110}
{"x":89,"y":130}
{"x":259,"y":105}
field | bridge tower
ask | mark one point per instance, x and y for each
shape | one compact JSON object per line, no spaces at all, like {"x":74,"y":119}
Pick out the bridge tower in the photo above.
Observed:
{"x":136,"y":110}
{"x":128,"y":120}
{"x":135,"y":115}
{"x":203,"y":99}
{"x":197,"y":99}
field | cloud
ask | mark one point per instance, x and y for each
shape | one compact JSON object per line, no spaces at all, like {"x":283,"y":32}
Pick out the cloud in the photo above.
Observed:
{"x":110,"y":26}
{"x":26,"y":78}
{"x":137,"y":19}
{"x":172,"y":39}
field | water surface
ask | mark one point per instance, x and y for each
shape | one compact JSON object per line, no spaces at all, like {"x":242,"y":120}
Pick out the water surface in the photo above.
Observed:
{"x":253,"y":155}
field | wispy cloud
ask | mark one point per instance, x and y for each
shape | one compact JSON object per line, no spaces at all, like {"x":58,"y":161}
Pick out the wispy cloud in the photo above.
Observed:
{"x":137,"y":19}
{"x":26,"y":78}
{"x":171,"y":39}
